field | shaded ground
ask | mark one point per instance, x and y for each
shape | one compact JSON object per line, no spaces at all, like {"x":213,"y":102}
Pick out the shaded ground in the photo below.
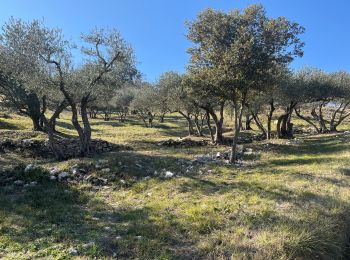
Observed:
{"x":286,"y":202}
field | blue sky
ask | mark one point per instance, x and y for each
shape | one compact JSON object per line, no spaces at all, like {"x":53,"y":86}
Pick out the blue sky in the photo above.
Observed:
{"x":156,"y":29}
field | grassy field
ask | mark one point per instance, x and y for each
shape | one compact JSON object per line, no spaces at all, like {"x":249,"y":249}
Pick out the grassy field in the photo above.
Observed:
{"x":287,"y":201}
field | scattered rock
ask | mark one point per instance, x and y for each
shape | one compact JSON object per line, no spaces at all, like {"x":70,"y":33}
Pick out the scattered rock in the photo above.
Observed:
{"x":118,"y":237}
{"x":106,"y":170}
{"x":54,"y":171}
{"x":248,"y":151}
{"x":33,"y":183}
{"x":295,"y":141}
{"x":18,"y":182}
{"x":73,"y":252}
{"x":70,"y":146}
{"x":90,"y":244}
{"x":103,"y":161}
{"x":28,"y":168}
{"x":183,"y":143}
{"x":168,"y":174}
{"x":62,"y":176}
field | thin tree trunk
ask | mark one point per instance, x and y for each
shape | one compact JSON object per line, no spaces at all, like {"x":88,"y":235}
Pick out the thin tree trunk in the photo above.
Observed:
{"x":269,"y":119}
{"x":334,"y":123}
{"x":189,"y":122}
{"x":238,"y":109}
{"x":161,"y":118}
{"x":210,"y":128}
{"x":306,"y":119}
{"x":248,"y":120}
{"x":218,"y":137}
{"x":143,"y":119}
{"x":85,"y":144}
{"x":198,"y":128}
{"x":150,"y":119}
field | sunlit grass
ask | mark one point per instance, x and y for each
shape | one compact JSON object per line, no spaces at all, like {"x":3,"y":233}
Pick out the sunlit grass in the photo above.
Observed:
{"x":289,"y":201}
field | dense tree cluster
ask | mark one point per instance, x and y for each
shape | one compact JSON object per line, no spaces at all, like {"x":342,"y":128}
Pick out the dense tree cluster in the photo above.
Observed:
{"x":239,"y":62}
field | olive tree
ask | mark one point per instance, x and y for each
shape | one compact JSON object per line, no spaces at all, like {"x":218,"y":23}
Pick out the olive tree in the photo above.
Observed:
{"x":14,"y":95}
{"x":204,"y":97}
{"x":143,"y":103}
{"x":239,"y":51}
{"x":319,"y":90}
{"x":121,"y":102}
{"x":109,"y":62}
{"x":177,"y":98}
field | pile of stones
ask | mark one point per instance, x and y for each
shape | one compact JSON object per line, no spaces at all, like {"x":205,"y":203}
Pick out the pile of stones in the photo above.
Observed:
{"x":183,"y":143}
{"x":70,"y":146}
{"x":82,"y":173}
{"x":31,"y":146}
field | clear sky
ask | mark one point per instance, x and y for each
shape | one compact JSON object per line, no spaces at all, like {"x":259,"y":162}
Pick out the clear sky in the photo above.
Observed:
{"x":156,"y":29}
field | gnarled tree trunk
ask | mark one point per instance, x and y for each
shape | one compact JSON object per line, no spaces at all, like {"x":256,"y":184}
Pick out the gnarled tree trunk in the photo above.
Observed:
{"x":50,"y":128}
{"x":284,"y":125}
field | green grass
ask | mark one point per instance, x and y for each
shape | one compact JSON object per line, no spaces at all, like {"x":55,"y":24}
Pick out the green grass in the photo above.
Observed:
{"x":287,"y":202}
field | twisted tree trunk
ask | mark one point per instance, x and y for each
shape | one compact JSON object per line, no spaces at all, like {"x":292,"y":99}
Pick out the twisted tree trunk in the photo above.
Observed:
{"x":284,"y":125}
{"x":50,"y":128}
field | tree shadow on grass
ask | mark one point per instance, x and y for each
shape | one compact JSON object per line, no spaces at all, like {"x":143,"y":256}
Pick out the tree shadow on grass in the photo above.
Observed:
{"x":10,"y":126}
{"x":345,"y":171}
{"x":51,"y":219}
{"x":321,"y":231}
{"x":310,"y":146}
{"x":275,"y":193}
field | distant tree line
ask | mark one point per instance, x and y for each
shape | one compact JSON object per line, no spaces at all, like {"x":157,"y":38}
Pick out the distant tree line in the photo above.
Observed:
{"x":239,"y":61}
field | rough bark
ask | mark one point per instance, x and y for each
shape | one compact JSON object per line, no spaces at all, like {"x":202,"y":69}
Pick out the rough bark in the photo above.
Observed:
{"x":33,"y":110}
{"x":269,"y":119}
{"x":50,"y":128}
{"x":284,"y":125}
